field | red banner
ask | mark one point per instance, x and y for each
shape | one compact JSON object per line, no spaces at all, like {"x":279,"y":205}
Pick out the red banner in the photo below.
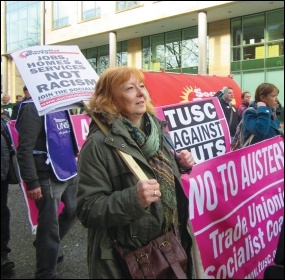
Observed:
{"x":170,"y":88}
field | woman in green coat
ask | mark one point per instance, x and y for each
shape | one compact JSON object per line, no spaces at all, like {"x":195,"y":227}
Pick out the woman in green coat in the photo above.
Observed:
{"x":111,"y":202}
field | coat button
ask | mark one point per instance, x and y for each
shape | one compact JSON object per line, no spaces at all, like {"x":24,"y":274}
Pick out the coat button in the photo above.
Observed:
{"x":123,"y":145}
{"x":111,"y":139}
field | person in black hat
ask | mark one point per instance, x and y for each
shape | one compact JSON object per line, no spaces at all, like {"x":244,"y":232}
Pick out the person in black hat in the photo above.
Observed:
{"x":18,"y":104}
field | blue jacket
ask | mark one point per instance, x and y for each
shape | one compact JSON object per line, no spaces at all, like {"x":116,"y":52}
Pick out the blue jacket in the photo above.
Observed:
{"x":260,"y":122}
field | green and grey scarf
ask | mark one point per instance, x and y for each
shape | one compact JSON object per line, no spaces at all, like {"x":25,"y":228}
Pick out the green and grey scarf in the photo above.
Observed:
{"x":147,"y":139}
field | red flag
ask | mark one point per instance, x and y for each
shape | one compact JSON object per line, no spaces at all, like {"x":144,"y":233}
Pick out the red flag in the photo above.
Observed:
{"x":171,"y":88}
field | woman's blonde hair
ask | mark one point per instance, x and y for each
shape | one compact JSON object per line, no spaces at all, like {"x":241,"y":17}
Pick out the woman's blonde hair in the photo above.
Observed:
{"x":103,"y":98}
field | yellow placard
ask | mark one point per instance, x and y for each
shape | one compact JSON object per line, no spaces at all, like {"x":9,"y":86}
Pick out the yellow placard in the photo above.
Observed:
{"x":273,"y":50}
{"x":156,"y":66}
{"x":259,"y":52}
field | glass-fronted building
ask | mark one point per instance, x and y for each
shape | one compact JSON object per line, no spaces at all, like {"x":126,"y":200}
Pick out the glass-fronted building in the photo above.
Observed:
{"x":240,"y":38}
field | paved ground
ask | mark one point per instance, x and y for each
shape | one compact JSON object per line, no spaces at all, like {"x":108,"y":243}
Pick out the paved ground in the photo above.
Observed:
{"x":23,"y":253}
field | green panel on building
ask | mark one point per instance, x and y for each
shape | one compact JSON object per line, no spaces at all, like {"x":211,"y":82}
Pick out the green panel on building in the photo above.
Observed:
{"x":235,"y":66}
{"x":252,"y":64}
{"x":274,"y":62}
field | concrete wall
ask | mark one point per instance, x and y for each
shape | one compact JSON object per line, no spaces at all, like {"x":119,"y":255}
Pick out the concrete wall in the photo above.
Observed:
{"x":219,"y":48}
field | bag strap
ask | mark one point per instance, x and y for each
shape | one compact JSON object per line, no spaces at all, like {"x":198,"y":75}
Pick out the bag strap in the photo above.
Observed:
{"x":166,"y":248}
{"x":231,"y":117}
{"x":128,"y":159}
{"x":144,"y":263}
{"x":248,"y":141}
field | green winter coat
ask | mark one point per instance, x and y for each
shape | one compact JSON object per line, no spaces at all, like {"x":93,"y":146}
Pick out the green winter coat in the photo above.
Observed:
{"x":107,"y":198}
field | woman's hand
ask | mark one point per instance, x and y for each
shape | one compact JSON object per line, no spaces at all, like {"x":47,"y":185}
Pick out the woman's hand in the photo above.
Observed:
{"x":184,"y":159}
{"x":148,"y":192}
{"x":260,"y":103}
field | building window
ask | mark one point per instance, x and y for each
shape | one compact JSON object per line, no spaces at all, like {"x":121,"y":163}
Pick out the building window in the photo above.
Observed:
{"x":124,"y":5}
{"x":122,"y":53}
{"x":157,"y":54}
{"x":275,"y":33}
{"x":253,"y":37}
{"x":60,"y":14}
{"x":258,"y":36}
{"x":98,"y":57}
{"x":190,"y":50}
{"x":90,"y":10}
{"x":102,"y":59}
{"x":23,"y":26}
{"x":175,"y":51}
{"x":257,"y":50}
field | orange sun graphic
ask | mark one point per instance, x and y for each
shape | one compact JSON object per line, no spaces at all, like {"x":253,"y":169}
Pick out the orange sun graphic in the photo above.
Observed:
{"x":188,"y":94}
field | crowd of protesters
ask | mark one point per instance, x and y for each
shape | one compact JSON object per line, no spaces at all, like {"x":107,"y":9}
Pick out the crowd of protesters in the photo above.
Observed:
{"x":122,"y":104}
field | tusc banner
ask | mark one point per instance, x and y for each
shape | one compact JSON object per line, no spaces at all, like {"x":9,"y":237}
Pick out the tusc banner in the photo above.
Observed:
{"x":198,"y":126}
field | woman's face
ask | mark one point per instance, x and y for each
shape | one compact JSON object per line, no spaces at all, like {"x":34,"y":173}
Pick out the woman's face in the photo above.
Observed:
{"x":130,"y":99}
{"x":271,"y":99}
{"x":247,"y":98}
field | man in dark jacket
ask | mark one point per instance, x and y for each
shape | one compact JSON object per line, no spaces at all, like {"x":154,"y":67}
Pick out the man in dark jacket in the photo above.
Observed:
{"x":18,"y":104}
{"x":6,"y":263}
{"x":45,"y":185}
{"x":225,"y":96}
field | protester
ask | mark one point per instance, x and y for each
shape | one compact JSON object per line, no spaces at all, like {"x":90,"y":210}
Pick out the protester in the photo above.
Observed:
{"x":262,"y":122}
{"x":279,"y":114}
{"x":6,"y":263}
{"x":19,"y":98}
{"x":225,"y":96}
{"x":5,"y":99}
{"x":48,"y":167}
{"x":245,"y":100}
{"x":18,"y":104}
{"x":6,"y":106}
{"x":76,"y":111}
{"x":109,"y":195}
